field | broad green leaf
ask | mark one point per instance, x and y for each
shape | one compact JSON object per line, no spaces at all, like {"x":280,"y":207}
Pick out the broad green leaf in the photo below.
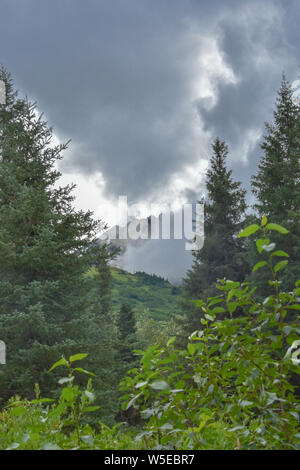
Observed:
{"x":209,"y":317}
{"x":280,"y":265}
{"x":232,"y":284}
{"x":249,"y":230}
{"x":218,"y":310}
{"x":192,"y":348}
{"x":277,"y":228}
{"x":141,"y":384}
{"x":231,"y":294}
{"x":61,"y":362}
{"x":232,"y":306}
{"x":171,"y":341}
{"x":89,"y":409}
{"x":159,"y":385}
{"x":166,"y":427}
{"x":77,"y":357}
{"x":293,"y":307}
{"x":214,"y":302}
{"x":196,"y":335}
{"x":280,"y":253}
{"x":259,"y":265}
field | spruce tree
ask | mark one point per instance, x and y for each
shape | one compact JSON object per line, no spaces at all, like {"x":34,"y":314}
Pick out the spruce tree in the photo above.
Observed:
{"x":127,"y":342}
{"x":222,"y":255}
{"x":277,"y":182}
{"x":126,"y":325}
{"x":45,"y":250}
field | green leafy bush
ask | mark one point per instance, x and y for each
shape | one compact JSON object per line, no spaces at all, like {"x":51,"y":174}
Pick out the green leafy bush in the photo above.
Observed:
{"x":44,"y":424}
{"x":232,"y":387}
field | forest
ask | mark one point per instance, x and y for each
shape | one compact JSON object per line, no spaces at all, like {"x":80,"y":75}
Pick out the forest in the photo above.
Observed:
{"x":98,"y":358}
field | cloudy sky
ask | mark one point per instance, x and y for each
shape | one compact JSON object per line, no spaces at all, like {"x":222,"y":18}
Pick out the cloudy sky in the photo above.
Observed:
{"x":142,"y":87}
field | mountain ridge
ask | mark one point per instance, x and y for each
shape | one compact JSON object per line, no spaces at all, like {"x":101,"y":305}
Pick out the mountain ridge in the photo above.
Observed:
{"x":144,"y":292}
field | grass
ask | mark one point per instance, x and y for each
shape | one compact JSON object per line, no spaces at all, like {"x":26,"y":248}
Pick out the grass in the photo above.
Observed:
{"x":144,"y":292}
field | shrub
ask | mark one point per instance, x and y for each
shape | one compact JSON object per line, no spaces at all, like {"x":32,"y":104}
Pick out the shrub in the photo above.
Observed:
{"x":44,"y":424}
{"x":232,"y":386}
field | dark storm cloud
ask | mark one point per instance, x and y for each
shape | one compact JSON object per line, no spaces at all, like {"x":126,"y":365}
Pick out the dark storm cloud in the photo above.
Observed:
{"x":258,"y":48}
{"x":115,"y":77}
{"x":110,"y":75}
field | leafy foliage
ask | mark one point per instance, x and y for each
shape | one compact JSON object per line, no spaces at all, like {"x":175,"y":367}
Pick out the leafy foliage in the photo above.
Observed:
{"x":44,"y":424}
{"x":231,"y":387}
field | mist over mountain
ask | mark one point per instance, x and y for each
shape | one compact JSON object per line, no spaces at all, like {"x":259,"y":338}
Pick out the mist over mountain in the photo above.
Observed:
{"x":164,"y":257}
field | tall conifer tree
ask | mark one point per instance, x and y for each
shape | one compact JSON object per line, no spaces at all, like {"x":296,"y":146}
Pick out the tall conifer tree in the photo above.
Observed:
{"x":223,"y":253}
{"x":277,"y":182}
{"x":45,"y":249}
{"x":126,"y":325}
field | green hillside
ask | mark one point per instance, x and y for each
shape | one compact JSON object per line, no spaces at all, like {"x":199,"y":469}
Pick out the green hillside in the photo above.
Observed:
{"x":144,"y":292}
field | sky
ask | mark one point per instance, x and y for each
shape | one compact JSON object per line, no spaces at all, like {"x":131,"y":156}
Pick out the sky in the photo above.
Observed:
{"x":143,"y":87}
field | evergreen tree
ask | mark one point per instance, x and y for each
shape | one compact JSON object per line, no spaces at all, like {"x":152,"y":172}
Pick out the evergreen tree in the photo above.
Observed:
{"x":126,"y":325}
{"x":45,"y":249}
{"x":277,"y":182}
{"x":127,"y":342}
{"x":102,"y":337}
{"x":222,"y":255}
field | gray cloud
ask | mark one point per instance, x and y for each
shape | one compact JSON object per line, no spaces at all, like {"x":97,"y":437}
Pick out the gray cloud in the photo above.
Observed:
{"x":116,"y":77}
{"x":257,"y":47}
{"x":166,"y":258}
{"x":112,"y":76}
